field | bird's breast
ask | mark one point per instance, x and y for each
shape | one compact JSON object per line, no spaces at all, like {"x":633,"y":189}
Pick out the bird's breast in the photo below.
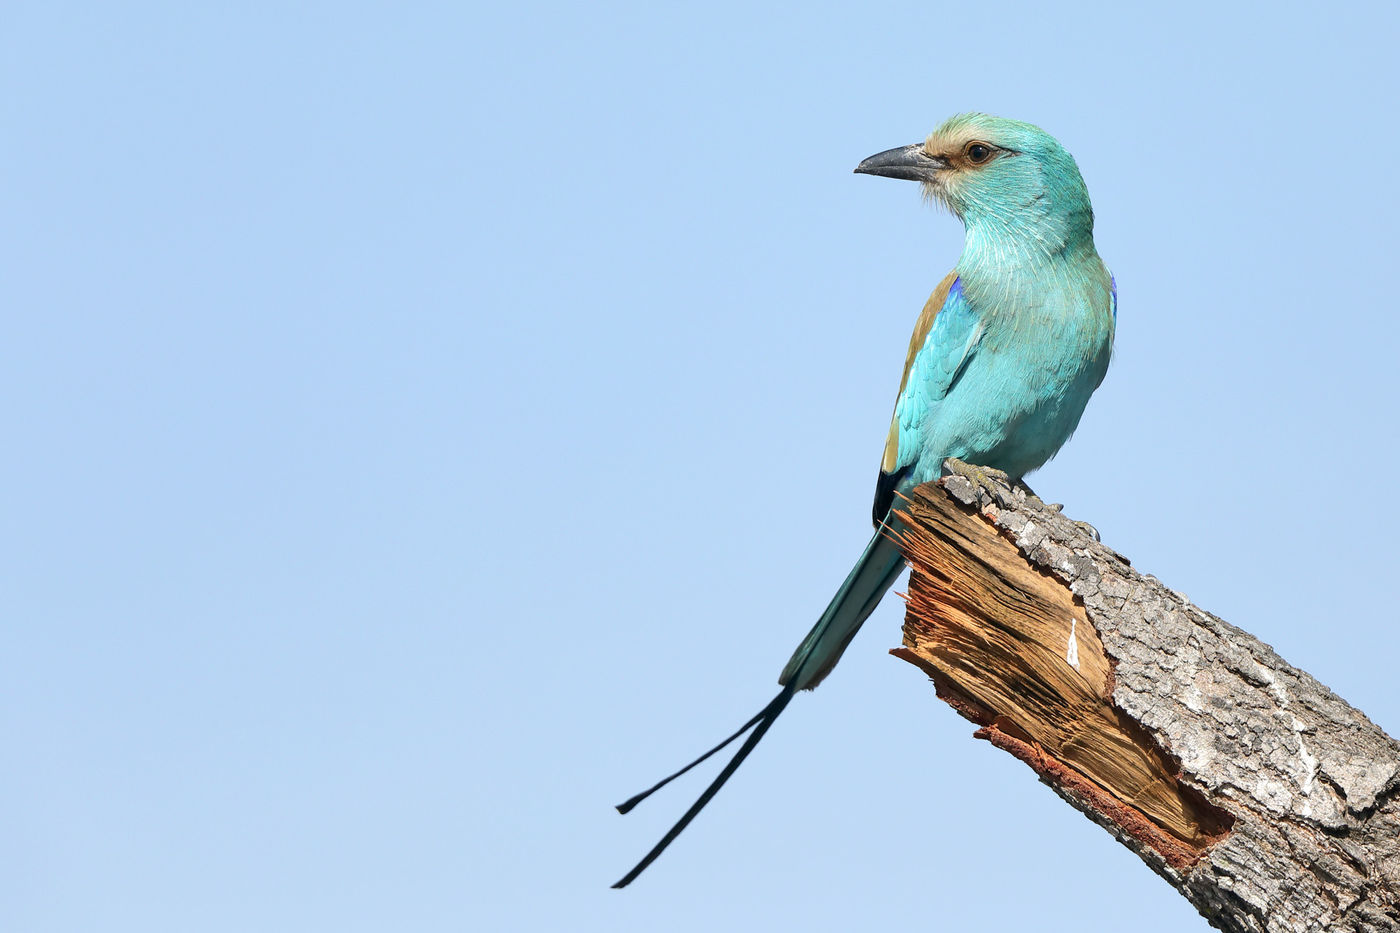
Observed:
{"x":1041,"y":353}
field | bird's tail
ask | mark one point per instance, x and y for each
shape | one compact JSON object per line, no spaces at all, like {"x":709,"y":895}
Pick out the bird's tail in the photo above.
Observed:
{"x":865,"y":586}
{"x":815,"y":657}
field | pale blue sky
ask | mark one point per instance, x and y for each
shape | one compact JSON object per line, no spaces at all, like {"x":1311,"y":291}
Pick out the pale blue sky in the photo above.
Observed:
{"x":429,"y":424}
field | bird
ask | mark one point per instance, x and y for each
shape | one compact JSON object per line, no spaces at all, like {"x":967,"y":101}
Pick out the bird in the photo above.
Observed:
{"x":1003,"y":359}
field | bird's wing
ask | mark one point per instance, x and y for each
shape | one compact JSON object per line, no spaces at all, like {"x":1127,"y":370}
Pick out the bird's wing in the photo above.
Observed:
{"x":945,"y":338}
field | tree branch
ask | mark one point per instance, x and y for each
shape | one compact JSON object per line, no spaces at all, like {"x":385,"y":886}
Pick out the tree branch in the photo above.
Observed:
{"x":1260,"y":795}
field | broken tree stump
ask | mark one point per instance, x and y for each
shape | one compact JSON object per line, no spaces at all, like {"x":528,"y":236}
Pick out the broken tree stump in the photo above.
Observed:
{"x":1259,"y":794}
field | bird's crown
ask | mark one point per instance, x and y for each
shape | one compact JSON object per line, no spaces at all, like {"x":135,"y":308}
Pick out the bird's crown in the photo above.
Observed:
{"x":1006,"y":173}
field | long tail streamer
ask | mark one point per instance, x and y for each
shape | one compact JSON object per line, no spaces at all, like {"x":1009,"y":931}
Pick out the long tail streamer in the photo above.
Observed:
{"x":763,"y":721}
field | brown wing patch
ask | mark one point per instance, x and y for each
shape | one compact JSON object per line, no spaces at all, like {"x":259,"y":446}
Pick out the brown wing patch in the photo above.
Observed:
{"x":916,"y":343}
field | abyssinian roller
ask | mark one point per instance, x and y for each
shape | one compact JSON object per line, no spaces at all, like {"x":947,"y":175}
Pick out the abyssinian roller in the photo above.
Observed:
{"x":1004,"y":357}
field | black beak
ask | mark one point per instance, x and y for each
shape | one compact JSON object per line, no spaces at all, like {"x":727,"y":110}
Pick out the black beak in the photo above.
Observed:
{"x":910,"y":163}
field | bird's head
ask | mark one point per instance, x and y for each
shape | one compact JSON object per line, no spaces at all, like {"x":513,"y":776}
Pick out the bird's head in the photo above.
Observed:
{"x":995,"y":173}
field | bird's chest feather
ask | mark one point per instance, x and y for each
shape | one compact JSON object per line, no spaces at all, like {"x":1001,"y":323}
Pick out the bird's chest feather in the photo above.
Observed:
{"x":1038,"y":357}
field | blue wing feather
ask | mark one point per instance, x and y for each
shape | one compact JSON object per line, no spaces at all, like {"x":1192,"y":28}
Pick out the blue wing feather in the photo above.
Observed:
{"x":950,"y":346}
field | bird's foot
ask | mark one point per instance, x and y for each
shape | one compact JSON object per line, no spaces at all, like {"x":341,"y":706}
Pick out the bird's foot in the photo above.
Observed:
{"x":1033,"y":500}
{"x":993,"y":481}
{"x":1089,"y":530}
{"x":984,"y":476}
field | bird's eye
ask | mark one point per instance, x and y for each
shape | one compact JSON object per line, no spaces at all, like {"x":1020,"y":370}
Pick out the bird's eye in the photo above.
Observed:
{"x":977,"y":153}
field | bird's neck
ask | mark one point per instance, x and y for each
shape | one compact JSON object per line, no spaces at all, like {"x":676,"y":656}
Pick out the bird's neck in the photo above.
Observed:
{"x":1013,"y":263}
{"x":1030,"y":233}
{"x":1017,"y":243}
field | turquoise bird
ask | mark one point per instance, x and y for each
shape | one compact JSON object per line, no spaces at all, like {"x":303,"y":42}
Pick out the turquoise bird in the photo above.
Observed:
{"x":1004,"y":357}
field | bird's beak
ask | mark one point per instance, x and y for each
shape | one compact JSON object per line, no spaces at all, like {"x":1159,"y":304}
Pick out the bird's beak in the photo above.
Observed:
{"x":910,"y":163}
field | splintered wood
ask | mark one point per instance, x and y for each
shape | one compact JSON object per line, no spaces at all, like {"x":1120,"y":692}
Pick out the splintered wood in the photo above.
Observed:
{"x":1009,"y":648}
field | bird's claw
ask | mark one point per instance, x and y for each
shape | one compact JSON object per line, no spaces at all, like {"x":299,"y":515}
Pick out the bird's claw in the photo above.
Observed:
{"x":989,"y":478}
{"x":1089,"y":530}
{"x":983,"y":476}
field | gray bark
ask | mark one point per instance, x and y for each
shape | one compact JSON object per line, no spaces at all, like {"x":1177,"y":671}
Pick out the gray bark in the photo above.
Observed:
{"x":1308,"y":782}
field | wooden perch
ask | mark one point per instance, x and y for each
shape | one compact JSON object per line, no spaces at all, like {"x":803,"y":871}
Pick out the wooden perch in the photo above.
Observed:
{"x":1260,"y":795}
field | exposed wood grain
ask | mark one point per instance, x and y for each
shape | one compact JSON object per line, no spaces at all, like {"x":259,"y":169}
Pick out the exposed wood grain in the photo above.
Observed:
{"x":1258,"y":793}
{"x":987,"y":625}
